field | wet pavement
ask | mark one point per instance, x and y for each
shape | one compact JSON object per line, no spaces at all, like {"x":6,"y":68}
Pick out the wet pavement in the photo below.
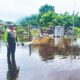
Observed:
{"x":44,"y":63}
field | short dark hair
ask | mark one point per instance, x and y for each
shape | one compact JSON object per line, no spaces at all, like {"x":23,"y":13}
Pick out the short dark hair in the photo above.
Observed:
{"x":11,"y":26}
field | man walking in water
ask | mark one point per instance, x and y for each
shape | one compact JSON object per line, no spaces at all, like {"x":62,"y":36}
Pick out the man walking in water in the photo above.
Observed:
{"x":10,"y":39}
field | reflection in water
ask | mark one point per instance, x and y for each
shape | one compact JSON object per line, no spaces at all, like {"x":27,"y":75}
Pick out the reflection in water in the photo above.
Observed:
{"x":46,"y":52}
{"x":13,"y":71}
{"x":29,"y":49}
{"x":63,"y":49}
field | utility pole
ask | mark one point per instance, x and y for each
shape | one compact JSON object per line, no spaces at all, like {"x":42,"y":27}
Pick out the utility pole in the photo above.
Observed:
{"x":73,"y":21}
{"x":74,"y":13}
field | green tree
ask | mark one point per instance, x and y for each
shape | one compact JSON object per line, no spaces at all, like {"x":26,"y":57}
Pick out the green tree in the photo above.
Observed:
{"x":48,"y":19}
{"x":32,"y":20}
{"x":46,"y":8}
{"x":77,"y":20}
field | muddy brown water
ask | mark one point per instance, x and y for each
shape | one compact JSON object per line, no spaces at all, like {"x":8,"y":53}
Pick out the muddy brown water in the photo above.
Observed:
{"x":42,"y":63}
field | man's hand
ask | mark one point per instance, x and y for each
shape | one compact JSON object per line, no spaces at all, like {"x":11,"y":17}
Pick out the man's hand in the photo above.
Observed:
{"x":7,"y":45}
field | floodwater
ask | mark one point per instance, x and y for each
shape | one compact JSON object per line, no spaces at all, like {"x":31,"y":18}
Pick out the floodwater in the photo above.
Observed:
{"x":42,"y":63}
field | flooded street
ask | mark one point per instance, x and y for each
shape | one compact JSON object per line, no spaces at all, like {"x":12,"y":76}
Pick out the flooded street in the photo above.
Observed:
{"x":43,"y":63}
{"x":40,"y":40}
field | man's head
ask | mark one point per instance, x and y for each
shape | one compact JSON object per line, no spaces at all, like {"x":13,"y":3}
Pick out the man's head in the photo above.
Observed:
{"x":11,"y":27}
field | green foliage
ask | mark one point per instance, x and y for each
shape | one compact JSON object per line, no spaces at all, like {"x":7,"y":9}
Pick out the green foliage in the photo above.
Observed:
{"x":46,"y":8}
{"x":48,"y":17}
{"x":77,"y":31}
{"x":77,"y":19}
{"x":32,"y":20}
{"x":65,"y":19}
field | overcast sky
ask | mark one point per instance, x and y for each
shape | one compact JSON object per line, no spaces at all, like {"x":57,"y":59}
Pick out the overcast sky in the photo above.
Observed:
{"x":12,"y":10}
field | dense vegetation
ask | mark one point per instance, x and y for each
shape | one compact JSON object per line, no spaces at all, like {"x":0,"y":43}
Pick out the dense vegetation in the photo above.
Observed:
{"x":47,"y":17}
